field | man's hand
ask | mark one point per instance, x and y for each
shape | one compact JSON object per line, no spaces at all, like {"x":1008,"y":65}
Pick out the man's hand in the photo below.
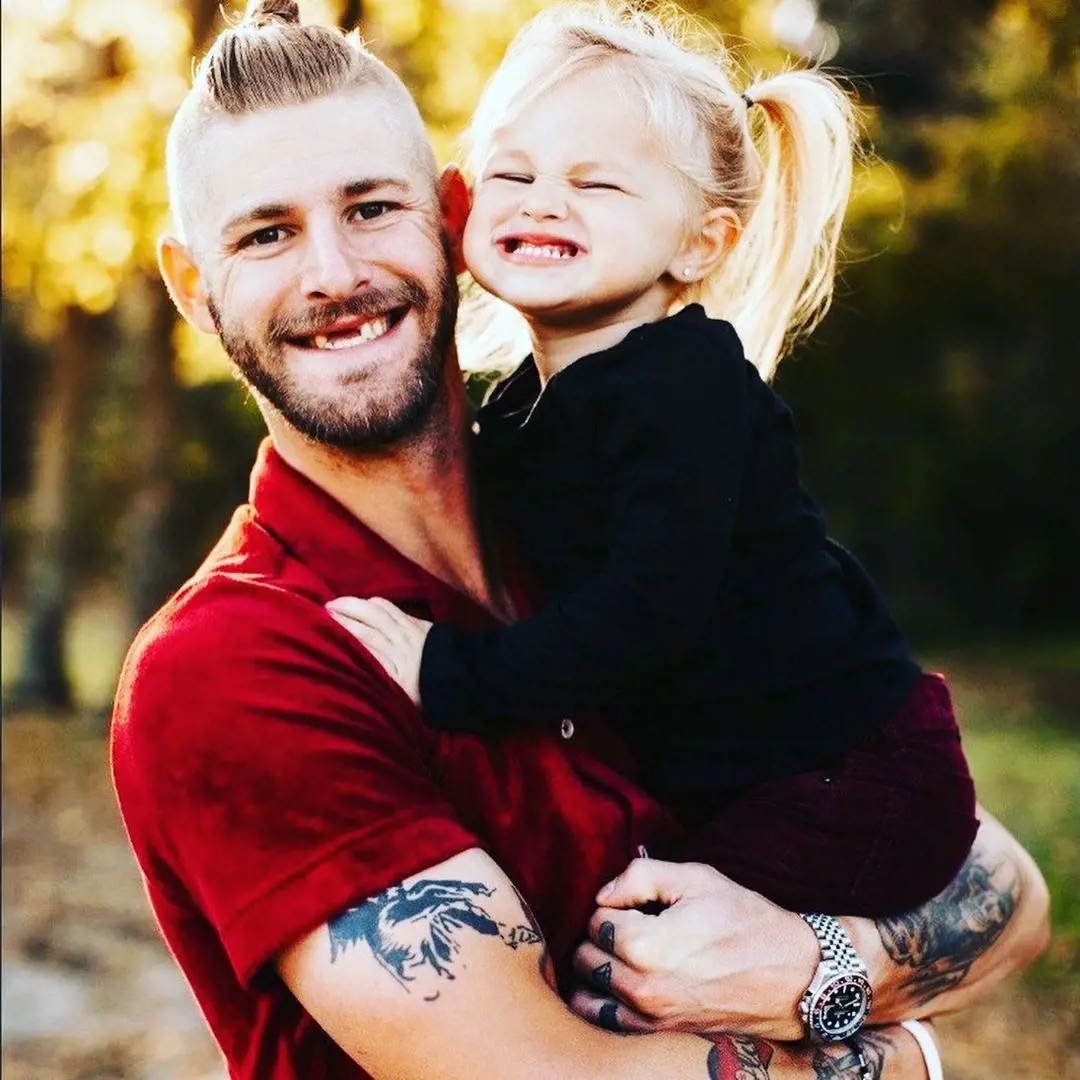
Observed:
{"x":719,"y":958}
{"x":395,"y":639}
{"x":723,"y":958}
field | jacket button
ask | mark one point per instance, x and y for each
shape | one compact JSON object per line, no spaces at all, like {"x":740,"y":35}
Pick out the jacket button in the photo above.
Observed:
{"x":566,"y":729}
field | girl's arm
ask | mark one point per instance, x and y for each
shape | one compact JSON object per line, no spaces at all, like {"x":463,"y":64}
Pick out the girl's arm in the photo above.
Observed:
{"x":672,"y":423}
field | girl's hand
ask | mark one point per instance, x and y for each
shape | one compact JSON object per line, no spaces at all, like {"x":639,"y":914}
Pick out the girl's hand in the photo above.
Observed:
{"x":395,"y":639}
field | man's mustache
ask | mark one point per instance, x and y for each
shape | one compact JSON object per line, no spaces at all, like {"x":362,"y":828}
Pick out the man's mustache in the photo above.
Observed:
{"x":368,"y":304}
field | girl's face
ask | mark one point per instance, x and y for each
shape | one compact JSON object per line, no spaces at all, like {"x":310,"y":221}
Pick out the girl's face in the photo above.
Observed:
{"x":576,"y":215}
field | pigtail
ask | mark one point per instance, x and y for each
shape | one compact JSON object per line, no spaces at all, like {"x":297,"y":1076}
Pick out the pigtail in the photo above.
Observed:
{"x":777,"y":282}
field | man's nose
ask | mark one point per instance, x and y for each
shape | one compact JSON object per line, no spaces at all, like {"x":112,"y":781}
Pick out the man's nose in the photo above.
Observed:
{"x":333,"y":267}
{"x":544,"y":201}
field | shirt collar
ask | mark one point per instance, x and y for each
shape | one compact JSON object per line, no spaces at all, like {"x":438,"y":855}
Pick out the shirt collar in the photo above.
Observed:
{"x":329,"y":540}
{"x":350,"y":558}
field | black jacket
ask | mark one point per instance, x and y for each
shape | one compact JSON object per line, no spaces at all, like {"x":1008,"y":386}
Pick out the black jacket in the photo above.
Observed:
{"x":693,"y":595}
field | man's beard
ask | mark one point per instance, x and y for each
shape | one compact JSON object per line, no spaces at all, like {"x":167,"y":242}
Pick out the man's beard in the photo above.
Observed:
{"x":386,"y":415}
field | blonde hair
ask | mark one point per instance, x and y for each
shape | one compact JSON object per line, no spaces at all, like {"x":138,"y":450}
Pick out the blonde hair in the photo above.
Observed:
{"x":269,"y":60}
{"x":779,"y":153}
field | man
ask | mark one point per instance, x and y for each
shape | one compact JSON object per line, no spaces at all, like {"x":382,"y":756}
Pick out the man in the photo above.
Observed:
{"x":348,"y":892}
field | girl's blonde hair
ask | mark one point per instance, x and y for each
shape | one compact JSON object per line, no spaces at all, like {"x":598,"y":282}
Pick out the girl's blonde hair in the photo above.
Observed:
{"x":779,"y":153}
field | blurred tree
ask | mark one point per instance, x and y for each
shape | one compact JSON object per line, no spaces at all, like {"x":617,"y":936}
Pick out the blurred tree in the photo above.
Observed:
{"x":148,"y":322}
{"x":934,"y":400}
{"x":87,"y":88}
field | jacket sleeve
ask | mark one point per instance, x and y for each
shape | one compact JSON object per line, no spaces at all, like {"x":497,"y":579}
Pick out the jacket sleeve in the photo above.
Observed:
{"x":673,"y":423}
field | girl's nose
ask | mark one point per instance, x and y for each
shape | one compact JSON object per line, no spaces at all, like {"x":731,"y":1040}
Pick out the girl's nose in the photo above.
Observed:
{"x":544,"y":201}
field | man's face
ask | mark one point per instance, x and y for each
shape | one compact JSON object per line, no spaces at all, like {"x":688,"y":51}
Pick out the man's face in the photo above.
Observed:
{"x":327,"y":268}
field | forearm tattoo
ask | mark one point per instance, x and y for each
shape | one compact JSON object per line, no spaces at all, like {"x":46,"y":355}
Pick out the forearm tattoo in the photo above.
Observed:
{"x":413,"y":928}
{"x":738,"y":1057}
{"x":941,"y":940}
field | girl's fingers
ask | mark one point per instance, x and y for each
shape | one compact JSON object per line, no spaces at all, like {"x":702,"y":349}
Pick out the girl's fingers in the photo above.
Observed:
{"x":392,"y":611}
{"x":400,"y":628}
{"x":370,"y":614}
{"x":373,"y":639}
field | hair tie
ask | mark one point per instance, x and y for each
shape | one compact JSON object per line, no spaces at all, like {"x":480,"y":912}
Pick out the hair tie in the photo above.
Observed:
{"x":750,"y":102}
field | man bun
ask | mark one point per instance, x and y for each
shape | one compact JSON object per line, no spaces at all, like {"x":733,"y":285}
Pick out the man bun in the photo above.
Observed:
{"x":262,"y":13}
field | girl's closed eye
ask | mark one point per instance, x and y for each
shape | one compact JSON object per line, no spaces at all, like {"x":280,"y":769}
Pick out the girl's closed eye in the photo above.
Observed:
{"x":514,"y":178}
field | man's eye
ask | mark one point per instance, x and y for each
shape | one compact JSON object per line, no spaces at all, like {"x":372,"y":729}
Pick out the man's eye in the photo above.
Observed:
{"x":368,"y":211}
{"x":272,"y":234}
{"x":513,"y":177}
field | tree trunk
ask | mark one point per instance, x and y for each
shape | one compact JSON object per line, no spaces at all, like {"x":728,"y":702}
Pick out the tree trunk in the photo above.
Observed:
{"x":352,"y":14}
{"x":147,"y":320}
{"x":42,"y":681}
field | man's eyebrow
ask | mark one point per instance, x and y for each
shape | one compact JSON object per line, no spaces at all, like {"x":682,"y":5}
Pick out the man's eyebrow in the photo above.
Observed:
{"x":356,"y":188}
{"x":266,"y":212}
{"x":352,"y":190}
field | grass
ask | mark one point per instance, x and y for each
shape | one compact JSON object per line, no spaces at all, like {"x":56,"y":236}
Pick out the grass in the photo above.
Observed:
{"x":1019,"y":711}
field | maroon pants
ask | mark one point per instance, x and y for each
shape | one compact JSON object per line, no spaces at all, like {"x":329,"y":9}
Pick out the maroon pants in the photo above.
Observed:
{"x":878,"y":831}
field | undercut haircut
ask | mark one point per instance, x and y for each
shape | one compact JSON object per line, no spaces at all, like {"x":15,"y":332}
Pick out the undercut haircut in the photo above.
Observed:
{"x":268,"y":61}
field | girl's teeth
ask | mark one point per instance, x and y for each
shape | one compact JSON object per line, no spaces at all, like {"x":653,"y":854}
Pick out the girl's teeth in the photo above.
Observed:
{"x":368,"y":332}
{"x":546,"y":251}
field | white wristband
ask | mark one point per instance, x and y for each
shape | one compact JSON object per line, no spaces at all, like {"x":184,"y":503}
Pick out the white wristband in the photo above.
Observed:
{"x":928,"y":1047}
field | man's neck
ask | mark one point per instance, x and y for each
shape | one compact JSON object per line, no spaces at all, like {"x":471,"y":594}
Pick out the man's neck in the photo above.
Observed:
{"x":418,"y":496}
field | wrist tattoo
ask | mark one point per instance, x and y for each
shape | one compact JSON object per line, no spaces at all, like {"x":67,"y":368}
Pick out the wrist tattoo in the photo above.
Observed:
{"x":414,"y":929}
{"x":942,"y":939}
{"x":840,"y":1061}
{"x":738,"y":1057}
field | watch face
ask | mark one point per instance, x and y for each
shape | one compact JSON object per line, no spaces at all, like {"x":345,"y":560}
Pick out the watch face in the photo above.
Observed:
{"x":840,"y":1007}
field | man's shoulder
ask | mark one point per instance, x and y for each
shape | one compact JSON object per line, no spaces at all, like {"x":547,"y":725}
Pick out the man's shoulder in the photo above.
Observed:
{"x":248,"y":577}
{"x":245,"y":636}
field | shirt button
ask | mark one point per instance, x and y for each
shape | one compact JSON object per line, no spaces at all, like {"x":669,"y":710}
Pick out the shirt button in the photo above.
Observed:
{"x":476,"y":427}
{"x":566,"y":729}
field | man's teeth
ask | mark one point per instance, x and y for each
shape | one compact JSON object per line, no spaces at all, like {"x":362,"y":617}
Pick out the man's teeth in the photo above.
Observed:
{"x":368,"y":332}
{"x":544,"y":251}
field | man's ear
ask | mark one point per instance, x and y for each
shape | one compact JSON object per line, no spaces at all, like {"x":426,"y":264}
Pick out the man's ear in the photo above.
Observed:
{"x":185,"y":283}
{"x":455,"y":200}
{"x":705,"y":249}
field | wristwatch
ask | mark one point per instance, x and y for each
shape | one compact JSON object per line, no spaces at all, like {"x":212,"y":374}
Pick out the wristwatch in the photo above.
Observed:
{"x":837,"y":1002}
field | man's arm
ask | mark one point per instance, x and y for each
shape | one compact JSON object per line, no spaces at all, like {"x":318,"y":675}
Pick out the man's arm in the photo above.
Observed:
{"x":444,"y":977}
{"x":724,"y":958}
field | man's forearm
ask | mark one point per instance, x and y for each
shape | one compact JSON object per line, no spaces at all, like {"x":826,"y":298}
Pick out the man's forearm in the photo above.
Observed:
{"x":721,"y":958}
{"x":991,"y":920}
{"x":887,"y":1054}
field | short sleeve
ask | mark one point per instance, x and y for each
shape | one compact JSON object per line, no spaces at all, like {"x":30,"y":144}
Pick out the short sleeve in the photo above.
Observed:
{"x":257,"y":751}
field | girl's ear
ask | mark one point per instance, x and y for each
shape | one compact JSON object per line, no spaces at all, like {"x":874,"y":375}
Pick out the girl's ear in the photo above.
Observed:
{"x":455,"y":200}
{"x":705,"y":249}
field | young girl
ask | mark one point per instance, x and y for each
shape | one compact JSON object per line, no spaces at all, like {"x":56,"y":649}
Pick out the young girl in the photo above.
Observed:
{"x":649,"y":473}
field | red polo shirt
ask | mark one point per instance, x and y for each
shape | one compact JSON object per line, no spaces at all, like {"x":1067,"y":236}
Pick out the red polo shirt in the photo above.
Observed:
{"x":271,"y":775}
